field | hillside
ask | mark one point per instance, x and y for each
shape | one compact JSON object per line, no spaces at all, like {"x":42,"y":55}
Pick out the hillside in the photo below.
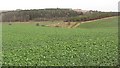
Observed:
{"x":101,"y":23}
{"x":38,"y":14}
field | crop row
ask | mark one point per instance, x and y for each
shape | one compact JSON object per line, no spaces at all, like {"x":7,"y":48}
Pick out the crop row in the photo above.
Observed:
{"x":31,"y":45}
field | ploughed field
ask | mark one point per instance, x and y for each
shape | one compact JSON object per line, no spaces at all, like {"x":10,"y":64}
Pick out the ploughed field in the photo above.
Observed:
{"x":93,"y":43}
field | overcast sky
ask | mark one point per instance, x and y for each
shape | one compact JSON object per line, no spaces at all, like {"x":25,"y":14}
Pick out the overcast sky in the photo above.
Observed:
{"x":101,"y":5}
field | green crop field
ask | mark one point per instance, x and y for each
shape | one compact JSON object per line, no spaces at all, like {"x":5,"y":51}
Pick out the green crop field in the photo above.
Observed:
{"x":91,"y":44}
{"x":106,"y":23}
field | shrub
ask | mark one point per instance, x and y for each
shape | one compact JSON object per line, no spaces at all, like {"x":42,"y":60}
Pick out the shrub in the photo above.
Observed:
{"x":37,"y":24}
{"x":42,"y":25}
{"x":9,"y":24}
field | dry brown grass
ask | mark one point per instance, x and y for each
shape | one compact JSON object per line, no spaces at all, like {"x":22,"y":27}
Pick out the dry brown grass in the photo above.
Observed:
{"x":65,"y":25}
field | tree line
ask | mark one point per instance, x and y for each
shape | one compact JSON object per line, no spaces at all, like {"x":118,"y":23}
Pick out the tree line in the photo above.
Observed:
{"x":38,"y":15}
{"x":67,"y":15}
{"x":91,"y":16}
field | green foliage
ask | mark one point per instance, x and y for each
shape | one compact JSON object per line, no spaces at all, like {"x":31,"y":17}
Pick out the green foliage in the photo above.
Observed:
{"x":9,"y":24}
{"x":26,"y":44}
{"x":38,"y":14}
{"x":92,"y":16}
{"x":37,"y":24}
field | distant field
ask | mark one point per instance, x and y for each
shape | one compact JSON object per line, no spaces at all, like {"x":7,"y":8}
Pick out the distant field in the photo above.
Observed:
{"x":105,"y":23}
{"x":90,"y":44}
